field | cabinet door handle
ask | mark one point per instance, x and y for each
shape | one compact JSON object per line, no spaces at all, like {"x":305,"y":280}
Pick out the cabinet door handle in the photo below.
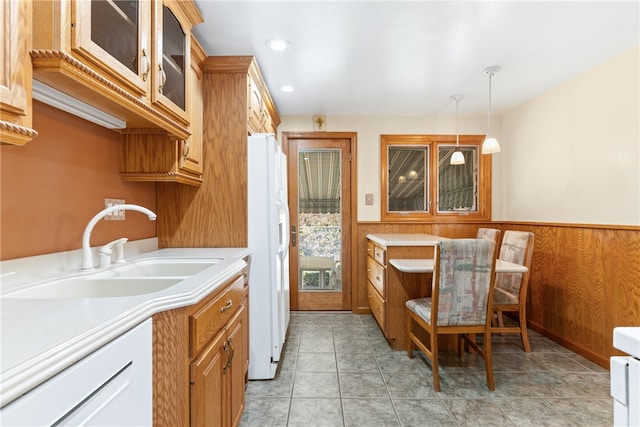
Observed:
{"x":226,"y":307}
{"x":163,"y":78}
{"x":225,"y":347}
{"x":146,"y":65}
{"x":185,"y":149}
{"x":233,"y":351}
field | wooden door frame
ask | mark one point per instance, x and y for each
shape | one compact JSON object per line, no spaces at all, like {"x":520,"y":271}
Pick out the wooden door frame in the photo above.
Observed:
{"x":348,"y":295}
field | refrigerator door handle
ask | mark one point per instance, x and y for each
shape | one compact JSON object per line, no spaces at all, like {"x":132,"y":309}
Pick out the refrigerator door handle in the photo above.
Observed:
{"x":284,"y":248}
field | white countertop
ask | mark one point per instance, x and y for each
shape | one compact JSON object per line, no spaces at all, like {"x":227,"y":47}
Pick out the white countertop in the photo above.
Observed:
{"x":410,"y":239}
{"x":41,"y":337}
{"x":426,"y":266}
{"x":627,"y":339}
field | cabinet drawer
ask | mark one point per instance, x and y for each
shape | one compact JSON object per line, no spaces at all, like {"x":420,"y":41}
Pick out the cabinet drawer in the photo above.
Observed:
{"x":370,"y":249}
{"x":376,"y":304}
{"x":380,"y":255}
{"x":206,"y":322}
{"x":375,"y":274}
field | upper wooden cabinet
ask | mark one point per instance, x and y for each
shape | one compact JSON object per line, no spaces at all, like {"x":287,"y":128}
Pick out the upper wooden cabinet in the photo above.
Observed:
{"x":15,"y":73}
{"x":171,"y":58}
{"x":228,"y":96}
{"x":158,"y":157}
{"x":125,"y":54}
{"x":138,"y":72}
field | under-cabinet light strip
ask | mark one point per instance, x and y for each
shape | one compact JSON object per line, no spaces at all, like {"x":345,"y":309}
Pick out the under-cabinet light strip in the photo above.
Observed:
{"x":71,"y":105}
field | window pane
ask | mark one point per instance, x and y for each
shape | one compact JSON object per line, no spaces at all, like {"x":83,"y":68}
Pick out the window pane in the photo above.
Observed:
{"x":173,"y":54}
{"x":457,"y":184}
{"x":407,"y":184}
{"x":122,"y":43}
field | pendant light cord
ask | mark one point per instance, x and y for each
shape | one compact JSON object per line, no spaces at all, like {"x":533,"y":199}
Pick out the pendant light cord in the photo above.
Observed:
{"x":489,"y":110}
{"x":457,"y":133}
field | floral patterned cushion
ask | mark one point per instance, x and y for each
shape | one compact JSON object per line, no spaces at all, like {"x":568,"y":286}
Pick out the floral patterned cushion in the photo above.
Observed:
{"x":464,"y":280}
{"x":513,"y":249}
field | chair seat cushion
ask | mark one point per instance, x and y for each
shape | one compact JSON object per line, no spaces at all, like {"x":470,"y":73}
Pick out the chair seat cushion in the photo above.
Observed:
{"x":502,"y":297}
{"x":421,"y":307}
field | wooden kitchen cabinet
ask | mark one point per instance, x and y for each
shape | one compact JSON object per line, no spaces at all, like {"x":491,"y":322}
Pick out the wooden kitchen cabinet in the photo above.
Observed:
{"x":77,"y":51}
{"x":200,"y":359}
{"x":217,"y":377}
{"x":184,"y":215}
{"x":259,"y":116}
{"x":160,"y":157}
{"x":388,"y":289}
{"x":15,"y":73}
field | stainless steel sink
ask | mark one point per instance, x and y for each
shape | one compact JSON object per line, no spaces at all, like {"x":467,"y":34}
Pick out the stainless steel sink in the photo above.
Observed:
{"x":90,"y":287}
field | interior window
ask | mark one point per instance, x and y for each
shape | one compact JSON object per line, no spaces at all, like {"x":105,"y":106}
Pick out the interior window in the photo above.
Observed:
{"x":420,"y":184}
{"x":408,"y":178}
{"x":457,"y":184}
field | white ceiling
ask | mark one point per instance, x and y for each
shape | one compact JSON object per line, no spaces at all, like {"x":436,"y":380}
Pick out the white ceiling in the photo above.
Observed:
{"x":409,"y":58}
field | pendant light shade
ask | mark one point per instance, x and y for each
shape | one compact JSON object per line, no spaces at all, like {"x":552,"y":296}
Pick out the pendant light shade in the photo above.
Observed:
{"x":490,"y":144}
{"x":457,"y":158}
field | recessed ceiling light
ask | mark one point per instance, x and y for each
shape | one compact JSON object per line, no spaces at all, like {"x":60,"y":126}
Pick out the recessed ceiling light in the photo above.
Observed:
{"x":278,"y":45}
{"x":287,"y":88}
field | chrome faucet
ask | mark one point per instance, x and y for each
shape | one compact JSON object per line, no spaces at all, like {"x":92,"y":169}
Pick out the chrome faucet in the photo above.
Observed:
{"x":87,"y":257}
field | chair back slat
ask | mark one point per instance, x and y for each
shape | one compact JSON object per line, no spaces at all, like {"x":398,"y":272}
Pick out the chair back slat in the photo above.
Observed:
{"x":464,"y":279}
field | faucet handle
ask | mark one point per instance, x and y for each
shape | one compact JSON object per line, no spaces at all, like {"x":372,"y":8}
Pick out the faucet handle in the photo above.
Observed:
{"x":106,"y":250}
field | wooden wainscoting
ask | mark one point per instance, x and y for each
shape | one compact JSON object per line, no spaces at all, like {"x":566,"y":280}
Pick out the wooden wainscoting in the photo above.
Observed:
{"x":585,"y":279}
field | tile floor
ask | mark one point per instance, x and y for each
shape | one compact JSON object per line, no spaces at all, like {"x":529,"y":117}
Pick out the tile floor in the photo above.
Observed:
{"x":338,"y":370}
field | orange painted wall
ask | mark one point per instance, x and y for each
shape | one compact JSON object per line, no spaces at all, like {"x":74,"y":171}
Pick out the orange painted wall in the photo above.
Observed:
{"x":54,"y":185}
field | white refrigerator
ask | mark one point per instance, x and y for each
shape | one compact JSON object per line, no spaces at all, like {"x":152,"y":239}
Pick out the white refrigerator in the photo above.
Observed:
{"x":268,"y":228}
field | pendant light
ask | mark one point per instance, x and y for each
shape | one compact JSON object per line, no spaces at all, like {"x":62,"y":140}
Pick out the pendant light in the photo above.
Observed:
{"x":490,"y":144}
{"x":457,"y":158}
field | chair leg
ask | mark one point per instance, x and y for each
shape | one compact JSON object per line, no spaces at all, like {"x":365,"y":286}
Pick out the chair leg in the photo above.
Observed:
{"x":499,"y":317}
{"x":434,"y":360}
{"x":488,"y":361}
{"x":409,"y":333}
{"x":523,"y":330}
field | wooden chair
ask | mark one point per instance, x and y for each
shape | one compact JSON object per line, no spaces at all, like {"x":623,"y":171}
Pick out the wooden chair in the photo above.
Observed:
{"x":460,"y":302}
{"x":511,"y":289}
{"x":489,"y":233}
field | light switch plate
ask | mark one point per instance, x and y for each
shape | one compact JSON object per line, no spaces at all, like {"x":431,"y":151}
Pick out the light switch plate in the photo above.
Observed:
{"x":368,"y":199}
{"x":116,"y":216}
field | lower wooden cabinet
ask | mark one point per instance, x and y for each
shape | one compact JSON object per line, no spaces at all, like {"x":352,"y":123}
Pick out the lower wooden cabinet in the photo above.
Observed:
{"x":388,"y":289}
{"x":200,"y":359}
{"x":217,"y":377}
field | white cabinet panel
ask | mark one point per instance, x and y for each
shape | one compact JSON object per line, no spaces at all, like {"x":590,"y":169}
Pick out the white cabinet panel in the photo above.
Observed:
{"x":111,"y":386}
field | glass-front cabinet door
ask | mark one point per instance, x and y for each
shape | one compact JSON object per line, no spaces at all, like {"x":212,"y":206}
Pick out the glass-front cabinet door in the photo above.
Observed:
{"x":115,"y":35}
{"x":171,"y":60}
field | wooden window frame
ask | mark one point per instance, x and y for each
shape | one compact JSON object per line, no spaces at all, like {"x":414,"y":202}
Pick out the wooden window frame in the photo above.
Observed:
{"x":433,"y":216}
